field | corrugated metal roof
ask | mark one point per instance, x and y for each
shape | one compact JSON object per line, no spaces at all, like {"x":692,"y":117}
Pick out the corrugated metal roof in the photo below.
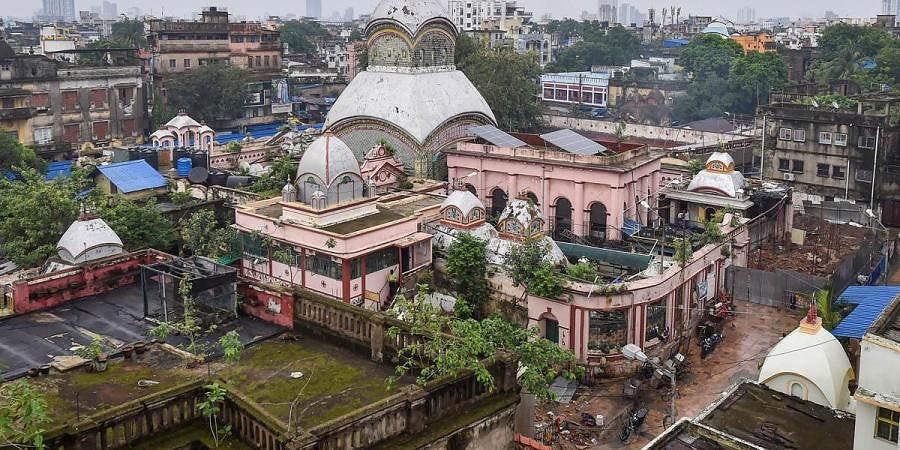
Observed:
{"x":870,"y":302}
{"x":133,"y":176}
{"x":58,"y":169}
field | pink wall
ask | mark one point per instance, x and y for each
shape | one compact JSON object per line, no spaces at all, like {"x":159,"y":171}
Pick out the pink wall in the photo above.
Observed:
{"x":46,"y":291}
{"x":271,"y":306}
{"x":552,"y":178}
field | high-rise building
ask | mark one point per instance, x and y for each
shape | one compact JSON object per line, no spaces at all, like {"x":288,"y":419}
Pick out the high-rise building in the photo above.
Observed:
{"x":608,"y":11}
{"x":888,"y":7}
{"x":349,"y":14}
{"x":59,"y":10}
{"x":747,"y":15}
{"x":110,"y":10}
{"x":469,"y":15}
{"x":314,"y":8}
{"x":629,"y":15}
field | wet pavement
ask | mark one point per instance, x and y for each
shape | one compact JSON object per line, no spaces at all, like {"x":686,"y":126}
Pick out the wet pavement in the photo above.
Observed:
{"x":748,"y":338}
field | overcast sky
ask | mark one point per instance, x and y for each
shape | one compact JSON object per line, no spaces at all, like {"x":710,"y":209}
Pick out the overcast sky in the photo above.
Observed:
{"x":257,"y":8}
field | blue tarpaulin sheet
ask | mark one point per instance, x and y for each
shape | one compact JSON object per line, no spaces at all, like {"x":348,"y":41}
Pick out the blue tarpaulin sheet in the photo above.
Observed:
{"x":870,"y":302}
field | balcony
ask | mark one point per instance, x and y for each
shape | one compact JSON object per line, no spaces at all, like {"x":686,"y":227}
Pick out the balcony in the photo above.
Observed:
{"x":193,"y":46}
{"x":17,"y":113}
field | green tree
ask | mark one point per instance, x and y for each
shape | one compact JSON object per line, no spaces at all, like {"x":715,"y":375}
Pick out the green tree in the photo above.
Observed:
{"x":825,"y":307}
{"x":545,"y":282}
{"x":231,"y":346}
{"x":470,"y":343}
{"x":524,"y":260}
{"x":36,"y":214}
{"x":140,"y":224}
{"x":202,"y":235}
{"x":843,"y":48}
{"x":15,"y":156}
{"x":209,"y":93}
{"x":709,"y":54}
{"x":302,"y":36}
{"x":707,"y":97}
{"x":507,"y":80}
{"x":282,"y":172}
{"x":467,"y":267}
{"x":129,"y":33}
{"x":614,"y":48}
{"x":23,"y":415}
{"x":210,"y":407}
{"x":583,"y":271}
{"x":753,"y":75}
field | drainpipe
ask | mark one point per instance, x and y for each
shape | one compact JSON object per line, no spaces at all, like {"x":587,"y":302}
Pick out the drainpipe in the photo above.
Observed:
{"x":847,"y":181}
{"x":874,"y":169}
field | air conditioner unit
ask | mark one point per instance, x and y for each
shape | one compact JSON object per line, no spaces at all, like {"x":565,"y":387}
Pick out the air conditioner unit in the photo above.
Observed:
{"x":788,"y":177}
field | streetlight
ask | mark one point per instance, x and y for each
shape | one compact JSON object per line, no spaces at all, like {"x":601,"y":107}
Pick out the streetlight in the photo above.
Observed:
{"x":633,"y":352}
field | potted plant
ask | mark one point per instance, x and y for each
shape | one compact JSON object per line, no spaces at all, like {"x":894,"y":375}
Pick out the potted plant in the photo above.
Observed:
{"x":93,"y":352}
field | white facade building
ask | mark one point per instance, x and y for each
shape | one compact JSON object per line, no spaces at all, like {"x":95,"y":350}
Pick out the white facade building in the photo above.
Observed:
{"x":878,"y":394}
{"x":469,"y":15}
{"x":587,"y":88}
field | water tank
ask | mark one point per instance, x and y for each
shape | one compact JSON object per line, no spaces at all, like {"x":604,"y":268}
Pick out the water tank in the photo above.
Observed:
{"x":183,"y":167}
{"x":199,"y":159}
{"x":134,"y":154}
{"x":151,"y":157}
{"x":181,"y":153}
{"x":218,"y":178}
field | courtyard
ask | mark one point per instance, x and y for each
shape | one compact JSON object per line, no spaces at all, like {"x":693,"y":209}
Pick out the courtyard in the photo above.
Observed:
{"x":748,"y":338}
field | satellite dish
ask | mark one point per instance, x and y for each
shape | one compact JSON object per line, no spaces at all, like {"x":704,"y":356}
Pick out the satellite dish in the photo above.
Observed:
{"x":198,"y":175}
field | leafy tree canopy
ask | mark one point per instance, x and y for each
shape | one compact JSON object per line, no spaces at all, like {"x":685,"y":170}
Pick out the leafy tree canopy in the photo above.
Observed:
{"x":15,"y":156}
{"x":202,"y":235}
{"x":301,"y":35}
{"x":709,"y":54}
{"x":36,"y":214}
{"x":844,"y":49}
{"x":209,"y":93}
{"x":440,"y":355}
{"x":507,"y":80}
{"x":23,"y":415}
{"x":282,"y":172}
{"x":139,"y":224}
{"x":129,"y":33}
{"x":753,"y":75}
{"x":467,"y":267}
{"x":615,"y":47}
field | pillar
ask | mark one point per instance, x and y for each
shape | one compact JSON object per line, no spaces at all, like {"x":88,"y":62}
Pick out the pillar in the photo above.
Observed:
{"x":376,"y":338}
{"x":578,"y":207}
{"x":513,"y":186}
{"x":345,"y":280}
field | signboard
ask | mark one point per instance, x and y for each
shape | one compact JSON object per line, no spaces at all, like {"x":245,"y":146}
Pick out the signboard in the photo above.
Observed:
{"x":372,"y":296}
{"x":282,"y":108}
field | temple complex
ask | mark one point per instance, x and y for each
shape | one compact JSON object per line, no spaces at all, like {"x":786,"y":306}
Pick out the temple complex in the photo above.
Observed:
{"x":411,"y":95}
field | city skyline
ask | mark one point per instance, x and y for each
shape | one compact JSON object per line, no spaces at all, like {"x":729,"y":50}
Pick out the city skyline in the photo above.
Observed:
{"x":261,"y":8}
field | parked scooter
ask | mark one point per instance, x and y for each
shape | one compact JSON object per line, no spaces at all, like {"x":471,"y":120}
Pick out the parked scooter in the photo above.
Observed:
{"x":709,"y":343}
{"x":634,"y":421}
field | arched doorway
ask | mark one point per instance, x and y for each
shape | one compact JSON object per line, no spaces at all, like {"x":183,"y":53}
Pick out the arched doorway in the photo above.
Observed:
{"x":563,"y":220}
{"x":708,"y":214}
{"x":471,"y":189}
{"x":499,"y":200}
{"x":550,"y":325}
{"x":597,"y":224}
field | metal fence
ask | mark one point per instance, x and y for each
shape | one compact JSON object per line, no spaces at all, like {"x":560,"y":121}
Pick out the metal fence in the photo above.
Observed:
{"x":779,"y":288}
{"x":212,"y":288}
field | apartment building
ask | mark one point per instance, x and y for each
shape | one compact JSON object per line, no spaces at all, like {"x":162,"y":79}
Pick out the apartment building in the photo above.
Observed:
{"x":57,"y":108}
{"x":469,"y":15}
{"x":179,"y":46}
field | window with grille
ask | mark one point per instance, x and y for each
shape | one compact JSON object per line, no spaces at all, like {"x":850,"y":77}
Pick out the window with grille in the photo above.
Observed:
{"x":797,"y":166}
{"x":72,"y":133}
{"x":41,"y":100}
{"x":800,"y":135}
{"x":98,"y":98}
{"x":840,"y":139}
{"x":70,"y":100}
{"x":887,"y":424}
{"x":785,"y":134}
{"x":825,"y":137}
{"x":838,"y":172}
{"x":43,"y":135}
{"x":823,"y":170}
{"x":865,"y":142}
{"x":784,"y":165}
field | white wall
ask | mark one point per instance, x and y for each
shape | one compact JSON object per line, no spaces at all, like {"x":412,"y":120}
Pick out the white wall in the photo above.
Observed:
{"x":864,"y":434}
{"x":879,"y":373}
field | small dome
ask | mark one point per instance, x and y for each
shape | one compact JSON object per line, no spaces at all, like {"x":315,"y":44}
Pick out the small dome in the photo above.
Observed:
{"x":726,"y":161}
{"x":812,"y":353}
{"x":205,"y":129}
{"x":160,"y":134}
{"x":411,"y":14}
{"x":328,"y":158}
{"x":719,"y":177}
{"x":182,"y":120}
{"x":463,"y":200}
{"x":717,"y":28}
{"x":87,"y":240}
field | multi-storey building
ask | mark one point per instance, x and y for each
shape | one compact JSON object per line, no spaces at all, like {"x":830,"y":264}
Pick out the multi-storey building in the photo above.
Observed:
{"x":607,"y":11}
{"x":314,"y":9}
{"x":56,"y":108}
{"x":59,"y":11}
{"x":833,"y":153}
{"x":179,"y":46}
{"x":469,"y":15}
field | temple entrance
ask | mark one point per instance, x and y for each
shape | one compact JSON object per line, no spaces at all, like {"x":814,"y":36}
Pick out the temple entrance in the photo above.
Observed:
{"x":499,"y":200}
{"x":562,"y":230}
{"x":597,"y":224}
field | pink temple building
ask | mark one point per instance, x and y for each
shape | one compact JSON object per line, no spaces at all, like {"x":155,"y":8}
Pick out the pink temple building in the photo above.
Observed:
{"x":331,"y":233}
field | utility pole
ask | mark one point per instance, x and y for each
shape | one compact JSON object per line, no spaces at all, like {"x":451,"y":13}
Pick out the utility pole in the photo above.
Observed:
{"x":874,"y":170}
{"x":762,"y":154}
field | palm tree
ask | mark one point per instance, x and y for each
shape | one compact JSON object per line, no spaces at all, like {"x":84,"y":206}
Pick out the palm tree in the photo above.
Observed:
{"x":825,"y":306}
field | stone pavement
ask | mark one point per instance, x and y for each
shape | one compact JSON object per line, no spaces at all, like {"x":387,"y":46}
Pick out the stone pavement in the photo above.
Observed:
{"x":748,"y":338}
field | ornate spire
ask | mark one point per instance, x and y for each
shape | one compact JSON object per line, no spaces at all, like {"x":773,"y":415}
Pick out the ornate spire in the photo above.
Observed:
{"x":812,"y":323}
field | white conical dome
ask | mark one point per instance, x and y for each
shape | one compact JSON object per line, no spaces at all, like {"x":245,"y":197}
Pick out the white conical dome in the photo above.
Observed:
{"x":327,"y":158}
{"x":87,"y":240}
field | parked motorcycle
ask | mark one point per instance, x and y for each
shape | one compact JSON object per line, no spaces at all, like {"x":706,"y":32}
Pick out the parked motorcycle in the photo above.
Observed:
{"x":709,"y":343}
{"x":633,"y":421}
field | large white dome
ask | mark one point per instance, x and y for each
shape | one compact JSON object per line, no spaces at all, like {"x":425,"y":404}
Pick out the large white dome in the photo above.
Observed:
{"x":328,"y":158}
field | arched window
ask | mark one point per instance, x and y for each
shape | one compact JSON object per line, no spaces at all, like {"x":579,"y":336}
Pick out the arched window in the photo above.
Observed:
{"x":798,"y":390}
{"x":532,"y":197}
{"x":598,"y":222}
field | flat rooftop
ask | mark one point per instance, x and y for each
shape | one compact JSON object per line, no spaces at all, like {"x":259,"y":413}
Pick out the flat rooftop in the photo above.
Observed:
{"x":117,"y":317}
{"x":382,"y":217}
{"x":771,"y":419}
{"x":888,"y":325}
{"x":333,"y":381}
